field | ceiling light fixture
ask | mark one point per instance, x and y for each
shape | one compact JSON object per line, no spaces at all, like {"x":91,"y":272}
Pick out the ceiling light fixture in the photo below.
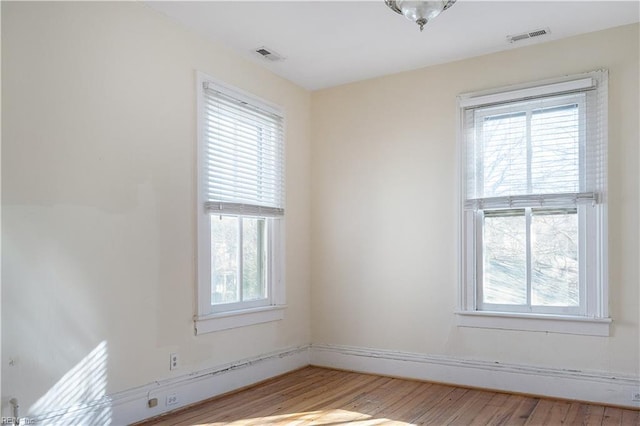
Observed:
{"x":419,"y":12}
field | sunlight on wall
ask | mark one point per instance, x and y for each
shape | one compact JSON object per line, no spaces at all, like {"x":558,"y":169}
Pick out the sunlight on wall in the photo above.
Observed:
{"x":76,"y":397}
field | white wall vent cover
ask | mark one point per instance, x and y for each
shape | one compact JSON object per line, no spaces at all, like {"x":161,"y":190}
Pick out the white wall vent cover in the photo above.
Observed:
{"x":527,"y":35}
{"x":269,"y":54}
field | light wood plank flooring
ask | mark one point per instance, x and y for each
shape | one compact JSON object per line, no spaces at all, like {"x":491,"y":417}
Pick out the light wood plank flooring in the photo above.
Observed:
{"x":319,"y":396}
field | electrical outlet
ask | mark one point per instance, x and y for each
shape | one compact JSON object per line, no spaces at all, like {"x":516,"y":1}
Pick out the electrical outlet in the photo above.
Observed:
{"x":174,"y":361}
{"x":172,"y":399}
{"x":635,"y":396}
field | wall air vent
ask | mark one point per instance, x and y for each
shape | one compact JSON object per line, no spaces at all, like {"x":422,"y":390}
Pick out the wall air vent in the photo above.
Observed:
{"x":269,"y":54}
{"x":527,"y":35}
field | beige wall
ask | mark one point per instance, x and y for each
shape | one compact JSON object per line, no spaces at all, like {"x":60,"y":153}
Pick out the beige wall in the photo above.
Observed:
{"x":384,"y":182}
{"x":98,"y":197}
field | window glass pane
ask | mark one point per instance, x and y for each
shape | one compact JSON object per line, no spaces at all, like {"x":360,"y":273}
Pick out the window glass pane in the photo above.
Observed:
{"x":253,"y":259}
{"x":505,"y":259}
{"x":554,"y":278}
{"x":224,"y":259}
{"x":504,"y":155}
{"x":555,"y":149}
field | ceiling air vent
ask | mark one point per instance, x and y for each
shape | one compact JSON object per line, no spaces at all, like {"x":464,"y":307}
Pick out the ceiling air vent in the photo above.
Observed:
{"x":269,"y":54}
{"x":530,"y":34}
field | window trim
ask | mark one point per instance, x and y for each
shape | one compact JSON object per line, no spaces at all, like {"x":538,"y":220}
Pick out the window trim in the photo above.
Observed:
{"x":595,"y":319}
{"x":207,"y":319}
{"x":567,"y":324}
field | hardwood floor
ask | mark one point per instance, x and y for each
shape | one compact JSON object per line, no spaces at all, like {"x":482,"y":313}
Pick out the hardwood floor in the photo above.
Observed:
{"x":319,"y":396}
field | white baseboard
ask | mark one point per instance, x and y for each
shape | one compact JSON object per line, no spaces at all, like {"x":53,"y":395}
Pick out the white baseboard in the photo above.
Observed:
{"x":597,"y":387}
{"x":130,"y":406}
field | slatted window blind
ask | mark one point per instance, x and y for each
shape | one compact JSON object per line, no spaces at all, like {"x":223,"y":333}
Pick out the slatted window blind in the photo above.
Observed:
{"x":243,"y":156}
{"x":538,"y":151}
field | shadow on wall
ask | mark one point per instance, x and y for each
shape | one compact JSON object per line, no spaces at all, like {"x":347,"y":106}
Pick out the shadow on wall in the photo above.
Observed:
{"x":79,"y":397}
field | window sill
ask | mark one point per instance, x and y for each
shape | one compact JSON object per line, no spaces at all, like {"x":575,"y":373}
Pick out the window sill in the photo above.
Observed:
{"x":233,"y":319}
{"x":535,"y":322}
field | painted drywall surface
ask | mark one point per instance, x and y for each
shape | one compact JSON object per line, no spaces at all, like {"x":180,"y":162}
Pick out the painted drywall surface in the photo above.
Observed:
{"x":384,"y":208}
{"x":98,"y":197}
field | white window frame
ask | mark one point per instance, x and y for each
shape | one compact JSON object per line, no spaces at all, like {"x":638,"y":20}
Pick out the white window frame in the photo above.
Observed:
{"x":592,"y":317}
{"x":211,"y":318}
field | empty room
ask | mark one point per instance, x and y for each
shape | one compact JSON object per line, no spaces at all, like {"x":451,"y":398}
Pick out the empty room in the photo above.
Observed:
{"x":320,"y":212}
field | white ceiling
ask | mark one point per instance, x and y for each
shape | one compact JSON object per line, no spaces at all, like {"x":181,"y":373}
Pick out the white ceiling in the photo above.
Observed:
{"x":327,"y":43}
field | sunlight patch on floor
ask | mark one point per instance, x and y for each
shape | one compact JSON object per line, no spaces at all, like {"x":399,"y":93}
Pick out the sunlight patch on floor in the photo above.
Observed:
{"x":318,"y":418}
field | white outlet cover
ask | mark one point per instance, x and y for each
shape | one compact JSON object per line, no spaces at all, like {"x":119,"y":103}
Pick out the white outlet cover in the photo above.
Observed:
{"x":174,"y":361}
{"x":172,"y":399}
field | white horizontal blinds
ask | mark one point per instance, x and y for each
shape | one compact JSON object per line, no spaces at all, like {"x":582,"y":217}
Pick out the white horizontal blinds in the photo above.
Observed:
{"x":533,"y":200}
{"x":595,"y":157}
{"x":556,"y":140}
{"x":244,"y":156}
{"x":536,"y":152}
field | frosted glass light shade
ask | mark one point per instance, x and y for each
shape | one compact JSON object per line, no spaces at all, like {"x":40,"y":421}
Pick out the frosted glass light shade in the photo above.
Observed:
{"x":419,"y":12}
{"x":415,"y":10}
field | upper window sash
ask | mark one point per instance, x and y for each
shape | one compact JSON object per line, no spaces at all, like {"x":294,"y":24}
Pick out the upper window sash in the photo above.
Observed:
{"x":242,"y":164}
{"x":592,"y":87}
{"x":510,"y":150}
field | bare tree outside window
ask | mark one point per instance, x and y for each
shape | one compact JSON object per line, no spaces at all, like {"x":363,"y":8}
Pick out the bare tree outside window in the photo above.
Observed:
{"x":533,"y":151}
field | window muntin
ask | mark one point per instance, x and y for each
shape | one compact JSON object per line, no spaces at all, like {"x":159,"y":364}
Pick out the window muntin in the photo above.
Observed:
{"x":241,"y":201}
{"x":534,"y":181}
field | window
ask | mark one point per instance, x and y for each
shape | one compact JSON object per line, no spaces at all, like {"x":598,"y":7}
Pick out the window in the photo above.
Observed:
{"x":534,"y":207}
{"x":240,"y":209}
